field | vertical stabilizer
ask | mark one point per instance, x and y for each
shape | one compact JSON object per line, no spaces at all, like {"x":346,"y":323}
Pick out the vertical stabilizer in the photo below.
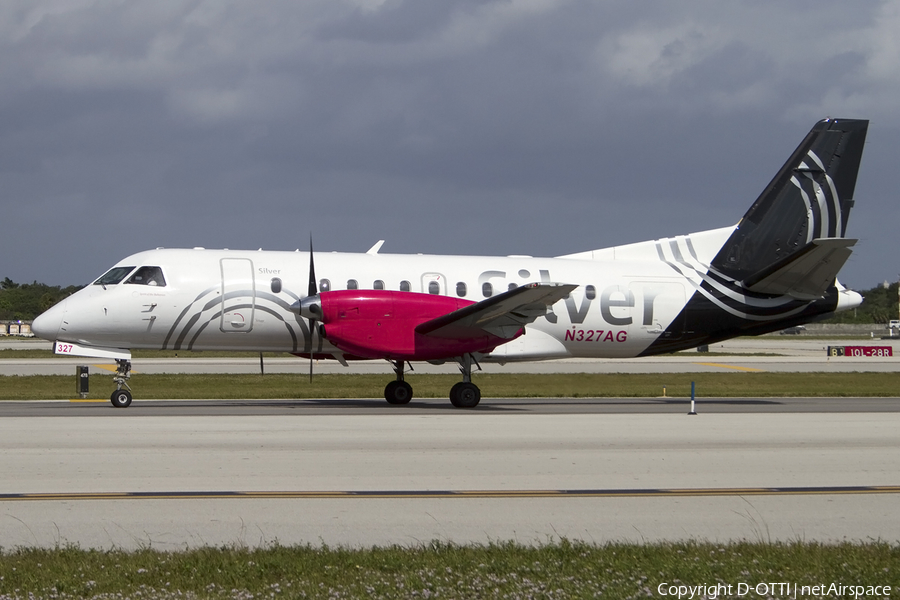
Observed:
{"x":778,"y":267}
{"x":810,"y":198}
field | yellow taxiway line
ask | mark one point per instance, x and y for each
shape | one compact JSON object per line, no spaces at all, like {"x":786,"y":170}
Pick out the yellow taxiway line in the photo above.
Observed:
{"x":388,"y":494}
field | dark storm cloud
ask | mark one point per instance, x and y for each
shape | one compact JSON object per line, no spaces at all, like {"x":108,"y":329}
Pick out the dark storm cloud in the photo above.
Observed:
{"x":524,"y":127}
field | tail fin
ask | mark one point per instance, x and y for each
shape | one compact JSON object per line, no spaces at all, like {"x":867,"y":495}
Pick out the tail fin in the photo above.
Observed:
{"x":778,"y":267}
{"x":808,"y":200}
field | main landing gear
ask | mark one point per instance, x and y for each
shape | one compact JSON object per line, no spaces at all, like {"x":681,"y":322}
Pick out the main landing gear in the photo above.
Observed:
{"x":464,"y":394}
{"x":398,"y":391}
{"x":121,"y":398}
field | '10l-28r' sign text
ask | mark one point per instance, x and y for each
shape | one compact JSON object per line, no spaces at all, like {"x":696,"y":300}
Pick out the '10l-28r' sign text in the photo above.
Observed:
{"x":870,"y":351}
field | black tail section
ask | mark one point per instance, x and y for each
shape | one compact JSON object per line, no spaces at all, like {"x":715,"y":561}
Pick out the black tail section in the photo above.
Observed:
{"x":810,"y":198}
{"x":778,"y":267}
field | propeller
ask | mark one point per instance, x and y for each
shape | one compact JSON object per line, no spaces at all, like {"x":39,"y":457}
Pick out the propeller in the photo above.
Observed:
{"x":311,"y":306}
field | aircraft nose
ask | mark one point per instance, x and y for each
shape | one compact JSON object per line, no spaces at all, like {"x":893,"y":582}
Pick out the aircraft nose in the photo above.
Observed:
{"x":47,"y":324}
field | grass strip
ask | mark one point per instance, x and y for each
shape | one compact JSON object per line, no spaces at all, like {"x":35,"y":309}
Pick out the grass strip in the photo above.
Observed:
{"x":437,"y":570}
{"x":497,"y":385}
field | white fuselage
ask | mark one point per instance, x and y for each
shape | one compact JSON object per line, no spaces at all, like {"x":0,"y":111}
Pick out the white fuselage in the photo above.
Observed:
{"x":245,"y":300}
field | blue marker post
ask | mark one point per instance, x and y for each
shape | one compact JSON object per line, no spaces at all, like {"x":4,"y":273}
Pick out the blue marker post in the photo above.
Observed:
{"x":693,"y":412}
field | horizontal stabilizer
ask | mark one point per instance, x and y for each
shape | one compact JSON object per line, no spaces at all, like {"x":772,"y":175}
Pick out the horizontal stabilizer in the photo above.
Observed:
{"x":807,"y":273}
{"x":502,"y":315}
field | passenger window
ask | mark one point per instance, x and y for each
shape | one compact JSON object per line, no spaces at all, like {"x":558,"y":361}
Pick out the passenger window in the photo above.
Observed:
{"x":352,"y":284}
{"x":461,"y":289}
{"x":148,"y":276}
{"x":378,"y":285}
{"x":114,"y":276}
{"x":404,"y":286}
{"x":324,"y":285}
{"x":434,"y":287}
{"x":487,"y":290}
{"x":590,"y":292}
{"x":276,"y":285}
{"x":512,"y":286}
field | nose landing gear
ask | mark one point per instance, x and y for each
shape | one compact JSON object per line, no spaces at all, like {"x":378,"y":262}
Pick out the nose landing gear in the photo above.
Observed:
{"x":121,"y":398}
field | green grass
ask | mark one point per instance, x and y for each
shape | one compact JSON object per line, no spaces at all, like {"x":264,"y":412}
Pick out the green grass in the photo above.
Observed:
{"x":614,"y":385}
{"x":555,"y":570}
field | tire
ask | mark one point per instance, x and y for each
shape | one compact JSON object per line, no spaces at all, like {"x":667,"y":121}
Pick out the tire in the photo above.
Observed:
{"x":121,"y":398}
{"x":465,"y":395}
{"x":398,"y":392}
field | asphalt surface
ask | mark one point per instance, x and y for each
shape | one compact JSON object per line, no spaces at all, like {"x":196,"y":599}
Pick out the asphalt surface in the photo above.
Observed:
{"x":508,"y":406}
{"x":361,"y":480}
{"x":176,"y":474}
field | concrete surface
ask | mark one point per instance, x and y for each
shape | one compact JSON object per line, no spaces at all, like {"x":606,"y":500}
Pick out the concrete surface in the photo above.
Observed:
{"x":515,"y":456}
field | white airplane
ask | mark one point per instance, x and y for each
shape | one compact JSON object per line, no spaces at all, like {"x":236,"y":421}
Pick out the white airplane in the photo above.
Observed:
{"x":775,"y":269}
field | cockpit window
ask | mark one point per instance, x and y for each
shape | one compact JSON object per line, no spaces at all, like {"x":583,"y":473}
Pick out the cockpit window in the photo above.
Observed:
{"x":148,"y":276}
{"x":114,"y":276}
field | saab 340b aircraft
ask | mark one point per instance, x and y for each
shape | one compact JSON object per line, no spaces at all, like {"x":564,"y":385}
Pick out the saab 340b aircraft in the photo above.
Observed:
{"x":776,"y":268}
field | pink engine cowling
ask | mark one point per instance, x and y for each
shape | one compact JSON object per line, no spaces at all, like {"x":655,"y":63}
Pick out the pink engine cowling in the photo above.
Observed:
{"x":382,"y":324}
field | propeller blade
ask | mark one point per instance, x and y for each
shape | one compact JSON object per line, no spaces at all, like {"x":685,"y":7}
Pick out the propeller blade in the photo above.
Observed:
{"x":313,"y":287}
{"x":312,"y":291}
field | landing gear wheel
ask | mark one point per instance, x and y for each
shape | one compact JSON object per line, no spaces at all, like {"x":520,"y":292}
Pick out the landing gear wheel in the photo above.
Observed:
{"x":398,"y":392}
{"x":465,"y":395}
{"x":120,"y":398}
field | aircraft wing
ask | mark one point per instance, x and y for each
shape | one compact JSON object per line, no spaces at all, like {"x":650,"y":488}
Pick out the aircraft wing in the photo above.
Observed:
{"x":807,"y":273}
{"x":502,"y":315}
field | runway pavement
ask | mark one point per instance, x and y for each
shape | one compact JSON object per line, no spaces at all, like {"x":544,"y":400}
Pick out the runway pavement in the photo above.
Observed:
{"x":172,"y":482}
{"x":176,"y":474}
{"x":507,"y":406}
{"x":724,"y":466}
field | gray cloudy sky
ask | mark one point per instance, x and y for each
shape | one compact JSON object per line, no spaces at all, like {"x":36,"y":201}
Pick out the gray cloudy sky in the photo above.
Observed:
{"x":485,"y":127}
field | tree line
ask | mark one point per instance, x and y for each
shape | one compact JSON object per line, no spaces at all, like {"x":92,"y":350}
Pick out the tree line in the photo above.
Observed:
{"x":25,"y":301}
